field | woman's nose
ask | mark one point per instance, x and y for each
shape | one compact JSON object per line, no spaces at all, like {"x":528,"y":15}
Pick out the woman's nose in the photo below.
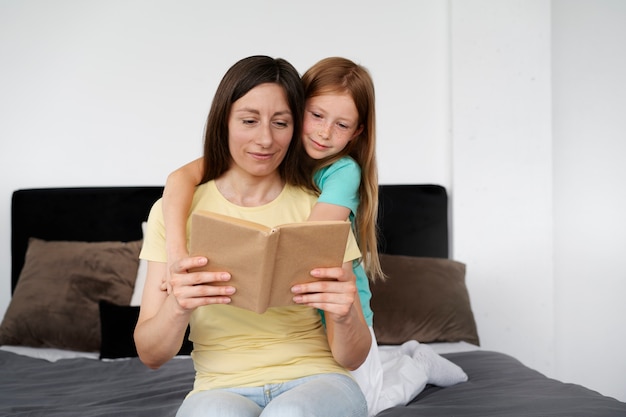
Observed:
{"x":265,"y":139}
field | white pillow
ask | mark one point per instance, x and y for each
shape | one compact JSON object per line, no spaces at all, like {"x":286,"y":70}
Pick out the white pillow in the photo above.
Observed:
{"x":49,"y":354}
{"x":142,"y":270}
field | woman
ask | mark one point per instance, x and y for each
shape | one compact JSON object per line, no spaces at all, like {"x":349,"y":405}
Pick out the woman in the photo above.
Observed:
{"x":282,"y":362}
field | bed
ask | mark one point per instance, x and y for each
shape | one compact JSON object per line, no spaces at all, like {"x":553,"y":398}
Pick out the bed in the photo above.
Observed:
{"x":66,"y":337}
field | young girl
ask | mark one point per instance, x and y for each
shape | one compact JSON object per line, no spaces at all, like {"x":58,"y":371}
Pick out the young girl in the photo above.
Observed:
{"x":338,"y":135}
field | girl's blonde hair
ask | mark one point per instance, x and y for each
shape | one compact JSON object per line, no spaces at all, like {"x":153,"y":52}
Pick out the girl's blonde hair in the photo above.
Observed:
{"x":336,"y":75}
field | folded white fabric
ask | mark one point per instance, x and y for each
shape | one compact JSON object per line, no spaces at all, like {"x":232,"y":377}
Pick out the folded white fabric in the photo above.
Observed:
{"x":406,"y":371}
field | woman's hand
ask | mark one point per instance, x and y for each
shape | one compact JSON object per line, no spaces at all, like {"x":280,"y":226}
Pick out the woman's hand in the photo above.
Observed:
{"x":192,"y":288}
{"x":163,"y":318}
{"x":334,"y":291}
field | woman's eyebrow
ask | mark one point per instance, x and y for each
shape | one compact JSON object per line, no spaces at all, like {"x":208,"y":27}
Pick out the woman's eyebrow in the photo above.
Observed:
{"x":255,"y":111}
{"x":247,"y":110}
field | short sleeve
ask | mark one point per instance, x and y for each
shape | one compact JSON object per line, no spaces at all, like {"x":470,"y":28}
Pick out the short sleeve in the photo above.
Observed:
{"x":339,"y":184}
{"x":154,"y":238}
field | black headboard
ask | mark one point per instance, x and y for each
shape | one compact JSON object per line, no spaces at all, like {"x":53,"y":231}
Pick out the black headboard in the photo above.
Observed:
{"x":95,"y":214}
{"x":412,"y":218}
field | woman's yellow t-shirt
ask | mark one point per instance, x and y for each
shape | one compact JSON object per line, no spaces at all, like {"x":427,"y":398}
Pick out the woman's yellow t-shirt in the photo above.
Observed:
{"x":234,"y":347}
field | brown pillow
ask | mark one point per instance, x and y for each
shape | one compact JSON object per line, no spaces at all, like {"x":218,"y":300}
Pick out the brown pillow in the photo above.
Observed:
{"x":423,"y":299}
{"x":55,"y":302}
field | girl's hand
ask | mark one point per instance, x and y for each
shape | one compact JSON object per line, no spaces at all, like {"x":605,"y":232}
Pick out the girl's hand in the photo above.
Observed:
{"x":173,"y":256}
{"x":198,"y":288}
{"x":333,"y":291}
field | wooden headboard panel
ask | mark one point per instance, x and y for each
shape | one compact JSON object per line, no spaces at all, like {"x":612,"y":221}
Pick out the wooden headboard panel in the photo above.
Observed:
{"x":412,"y":218}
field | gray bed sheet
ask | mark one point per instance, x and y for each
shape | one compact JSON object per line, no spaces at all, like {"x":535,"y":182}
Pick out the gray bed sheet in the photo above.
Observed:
{"x":498,"y":385}
{"x":501,"y":386}
{"x":88,"y":388}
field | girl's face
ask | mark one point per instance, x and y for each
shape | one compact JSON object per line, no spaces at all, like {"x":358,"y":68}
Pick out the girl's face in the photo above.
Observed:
{"x":330,"y":122}
{"x":260,"y":127}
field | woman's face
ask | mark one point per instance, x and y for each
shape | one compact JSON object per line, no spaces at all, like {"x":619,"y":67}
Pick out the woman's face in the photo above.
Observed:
{"x":330,"y":122}
{"x":260,"y":127}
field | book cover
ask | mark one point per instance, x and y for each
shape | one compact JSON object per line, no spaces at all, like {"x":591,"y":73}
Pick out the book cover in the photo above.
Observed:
{"x":265,"y":262}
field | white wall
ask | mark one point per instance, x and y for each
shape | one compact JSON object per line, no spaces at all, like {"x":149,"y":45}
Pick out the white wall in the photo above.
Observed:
{"x":496,"y":100}
{"x":589,"y":42}
{"x":502,"y":168}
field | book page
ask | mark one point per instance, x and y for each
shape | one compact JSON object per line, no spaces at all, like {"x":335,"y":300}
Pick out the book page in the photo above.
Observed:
{"x":243,"y":251}
{"x":301,"y":248}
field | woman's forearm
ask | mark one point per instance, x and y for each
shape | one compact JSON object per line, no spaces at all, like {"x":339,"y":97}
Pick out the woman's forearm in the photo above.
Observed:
{"x":162,"y":323}
{"x":160,"y":338}
{"x":350,"y":342}
{"x":348,"y":335}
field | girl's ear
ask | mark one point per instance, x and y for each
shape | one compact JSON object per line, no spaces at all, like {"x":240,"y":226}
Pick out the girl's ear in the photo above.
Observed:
{"x":357,"y":132}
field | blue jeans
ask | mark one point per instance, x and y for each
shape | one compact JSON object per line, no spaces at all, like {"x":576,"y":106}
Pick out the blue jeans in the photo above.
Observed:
{"x":324,"y":395}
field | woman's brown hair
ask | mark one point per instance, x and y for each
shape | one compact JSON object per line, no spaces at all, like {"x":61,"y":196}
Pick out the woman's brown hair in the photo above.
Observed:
{"x":242,"y":77}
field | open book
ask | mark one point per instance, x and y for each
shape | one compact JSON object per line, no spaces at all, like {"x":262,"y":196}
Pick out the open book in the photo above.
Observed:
{"x":265,"y":262}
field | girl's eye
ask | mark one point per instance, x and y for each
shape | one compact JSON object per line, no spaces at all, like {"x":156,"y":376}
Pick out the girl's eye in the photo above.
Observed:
{"x":343,"y":126}
{"x":316,"y":115}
